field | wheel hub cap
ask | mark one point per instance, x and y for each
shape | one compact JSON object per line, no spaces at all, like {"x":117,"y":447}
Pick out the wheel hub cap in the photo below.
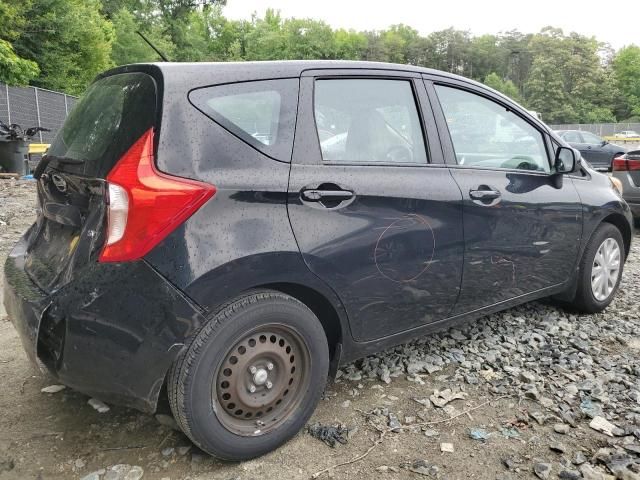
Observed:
{"x":605,"y":269}
{"x":260,"y":377}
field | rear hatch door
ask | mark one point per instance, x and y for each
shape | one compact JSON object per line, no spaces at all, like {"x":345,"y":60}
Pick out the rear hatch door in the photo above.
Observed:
{"x":69,"y":232}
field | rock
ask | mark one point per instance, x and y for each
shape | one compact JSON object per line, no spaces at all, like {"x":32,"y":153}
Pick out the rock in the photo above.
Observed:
{"x":79,"y":464}
{"x":561,"y":428}
{"x":528,"y":377}
{"x":590,"y":473}
{"x":394,"y":423}
{"x":579,"y":458}
{"x":570,"y":475}
{"x":431,"y":433}
{"x":123,"y":472}
{"x":442,"y":398}
{"x":422,"y":467}
{"x":98,"y":405}
{"x":167,"y":452}
{"x":53,"y":389}
{"x":542,"y":470}
{"x":346,"y":404}
{"x":167,"y":421}
{"x":601,"y":424}
{"x":182,"y":451}
{"x":446,"y":447}
{"x":94,"y":475}
{"x":557,"y":447}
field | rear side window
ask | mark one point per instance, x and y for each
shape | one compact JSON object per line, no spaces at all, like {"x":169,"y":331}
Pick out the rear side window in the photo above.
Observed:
{"x":261,"y":113}
{"x":366,"y":120}
{"x":113,"y":113}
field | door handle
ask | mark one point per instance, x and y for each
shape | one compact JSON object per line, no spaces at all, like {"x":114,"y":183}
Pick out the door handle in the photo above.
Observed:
{"x":316,"y":195}
{"x":484,"y":194}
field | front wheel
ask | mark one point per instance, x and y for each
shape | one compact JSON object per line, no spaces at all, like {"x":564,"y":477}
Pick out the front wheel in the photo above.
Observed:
{"x":252,"y":376}
{"x":600,"y":270}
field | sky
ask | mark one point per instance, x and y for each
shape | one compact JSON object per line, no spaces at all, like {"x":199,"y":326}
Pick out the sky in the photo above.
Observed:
{"x":619,"y":28}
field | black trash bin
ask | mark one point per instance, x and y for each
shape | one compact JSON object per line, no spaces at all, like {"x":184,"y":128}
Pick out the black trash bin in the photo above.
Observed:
{"x":14,"y":156}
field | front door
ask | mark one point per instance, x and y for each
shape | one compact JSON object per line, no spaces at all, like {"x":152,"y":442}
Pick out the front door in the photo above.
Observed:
{"x":375,"y":211}
{"x":522,"y":223}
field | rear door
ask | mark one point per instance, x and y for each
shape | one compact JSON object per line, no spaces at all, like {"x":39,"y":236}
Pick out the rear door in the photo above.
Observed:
{"x":114,"y":112}
{"x":522,"y":224}
{"x":374,"y":209}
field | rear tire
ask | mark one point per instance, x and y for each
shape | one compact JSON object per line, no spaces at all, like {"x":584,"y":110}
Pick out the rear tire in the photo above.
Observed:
{"x":600,"y":270}
{"x":250,"y":379}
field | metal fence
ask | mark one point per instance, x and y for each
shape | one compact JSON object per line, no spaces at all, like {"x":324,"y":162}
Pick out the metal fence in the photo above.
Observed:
{"x":35,"y":107}
{"x":601,"y":129}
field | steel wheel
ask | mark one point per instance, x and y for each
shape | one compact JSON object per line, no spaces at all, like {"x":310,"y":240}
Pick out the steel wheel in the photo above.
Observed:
{"x":261,"y":381}
{"x":605,"y":269}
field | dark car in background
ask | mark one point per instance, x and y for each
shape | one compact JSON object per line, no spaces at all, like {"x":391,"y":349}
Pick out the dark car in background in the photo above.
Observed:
{"x":626,"y":168}
{"x":597,"y":151}
{"x":229,"y":234}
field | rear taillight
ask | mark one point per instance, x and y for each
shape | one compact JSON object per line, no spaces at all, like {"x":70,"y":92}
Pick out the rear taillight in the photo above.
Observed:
{"x":623,"y":164}
{"x":145,"y":205}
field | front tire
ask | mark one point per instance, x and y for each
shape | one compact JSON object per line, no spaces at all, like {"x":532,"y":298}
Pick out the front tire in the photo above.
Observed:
{"x":600,"y":270}
{"x":251,"y":377}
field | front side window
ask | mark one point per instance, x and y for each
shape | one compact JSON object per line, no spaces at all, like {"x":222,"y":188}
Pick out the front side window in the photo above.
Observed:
{"x":363,"y":120}
{"x":262,"y":113}
{"x":591,"y":139}
{"x":487,"y":135}
{"x":572,"y":137}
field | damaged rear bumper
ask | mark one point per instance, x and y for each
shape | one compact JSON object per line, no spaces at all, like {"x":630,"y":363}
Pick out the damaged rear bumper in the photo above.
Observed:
{"x":99,"y":334}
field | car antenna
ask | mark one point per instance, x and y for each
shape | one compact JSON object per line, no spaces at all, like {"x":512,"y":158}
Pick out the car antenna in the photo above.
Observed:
{"x":162,"y":56}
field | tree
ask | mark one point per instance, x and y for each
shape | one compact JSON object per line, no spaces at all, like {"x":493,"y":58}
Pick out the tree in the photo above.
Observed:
{"x":506,"y":87}
{"x":70,"y":40}
{"x":14,"y":70}
{"x":626,"y":68}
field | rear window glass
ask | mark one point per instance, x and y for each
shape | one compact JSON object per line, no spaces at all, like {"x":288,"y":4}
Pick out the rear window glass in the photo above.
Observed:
{"x":261,"y":113}
{"x":113,"y":113}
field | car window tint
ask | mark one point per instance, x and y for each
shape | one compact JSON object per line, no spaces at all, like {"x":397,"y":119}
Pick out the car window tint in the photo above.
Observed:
{"x":486,"y":134}
{"x":262,"y":113}
{"x":368,"y":121}
{"x":572,"y":137}
{"x":591,"y":138}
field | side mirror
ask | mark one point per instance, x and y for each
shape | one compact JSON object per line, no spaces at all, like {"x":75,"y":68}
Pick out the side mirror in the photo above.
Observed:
{"x":567,"y":160}
{"x":604,"y":142}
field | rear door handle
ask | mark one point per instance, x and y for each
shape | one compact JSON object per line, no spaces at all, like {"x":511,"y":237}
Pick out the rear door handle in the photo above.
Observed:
{"x":484,"y":194}
{"x":316,"y":195}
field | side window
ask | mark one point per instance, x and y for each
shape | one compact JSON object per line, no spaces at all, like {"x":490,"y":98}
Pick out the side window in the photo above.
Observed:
{"x":572,"y":137}
{"x":591,"y":139}
{"x":262,"y":113}
{"x":368,"y":121}
{"x":486,"y":134}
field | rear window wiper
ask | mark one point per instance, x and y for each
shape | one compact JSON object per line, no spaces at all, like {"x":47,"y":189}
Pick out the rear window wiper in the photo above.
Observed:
{"x":44,"y":161}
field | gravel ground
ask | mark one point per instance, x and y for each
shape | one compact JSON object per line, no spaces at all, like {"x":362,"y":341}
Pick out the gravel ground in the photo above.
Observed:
{"x":519,"y":394}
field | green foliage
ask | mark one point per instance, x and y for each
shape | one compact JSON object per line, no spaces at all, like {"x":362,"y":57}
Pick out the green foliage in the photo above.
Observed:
{"x":63,"y":44}
{"x":626,"y":67}
{"x":13,"y":69}
{"x":503,"y":86}
{"x":70,"y":40}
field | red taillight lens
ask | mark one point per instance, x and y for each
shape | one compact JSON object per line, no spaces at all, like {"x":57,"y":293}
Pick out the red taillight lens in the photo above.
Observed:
{"x":619,"y":164}
{"x":146,"y":205}
{"x":624,"y":163}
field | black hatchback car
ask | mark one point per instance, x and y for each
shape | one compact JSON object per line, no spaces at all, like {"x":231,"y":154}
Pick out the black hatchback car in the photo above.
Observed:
{"x":236,"y":231}
{"x":597,"y":151}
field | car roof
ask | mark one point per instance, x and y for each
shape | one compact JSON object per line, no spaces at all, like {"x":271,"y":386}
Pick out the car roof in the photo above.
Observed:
{"x":211,"y":73}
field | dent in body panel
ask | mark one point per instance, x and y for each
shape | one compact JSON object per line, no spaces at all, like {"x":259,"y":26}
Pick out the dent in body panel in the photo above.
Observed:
{"x":525,"y":242}
{"x":394,"y":254}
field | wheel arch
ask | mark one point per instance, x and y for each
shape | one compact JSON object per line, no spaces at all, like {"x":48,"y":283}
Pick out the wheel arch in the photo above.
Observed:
{"x":323,"y":309}
{"x":620,"y":222}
